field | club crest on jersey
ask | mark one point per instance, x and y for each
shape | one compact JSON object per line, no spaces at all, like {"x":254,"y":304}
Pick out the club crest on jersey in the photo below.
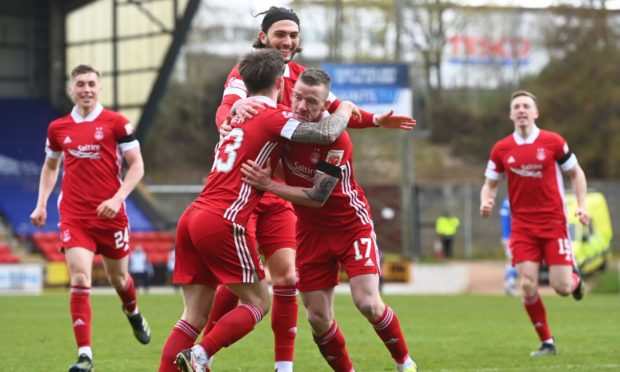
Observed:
{"x":66,"y":236}
{"x":99,"y":133}
{"x":540,"y":154}
{"x":334,"y":157}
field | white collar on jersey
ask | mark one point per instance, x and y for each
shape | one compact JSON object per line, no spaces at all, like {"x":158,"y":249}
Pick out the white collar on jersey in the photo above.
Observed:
{"x":530,"y":139}
{"x":287,"y":71}
{"x":266,"y":100}
{"x":92,"y":116}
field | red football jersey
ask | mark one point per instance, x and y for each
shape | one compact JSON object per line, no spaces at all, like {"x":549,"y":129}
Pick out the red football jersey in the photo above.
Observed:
{"x":347,"y":207}
{"x":259,"y":139}
{"x":92,"y":149}
{"x":535,"y":184}
{"x":235,"y":89}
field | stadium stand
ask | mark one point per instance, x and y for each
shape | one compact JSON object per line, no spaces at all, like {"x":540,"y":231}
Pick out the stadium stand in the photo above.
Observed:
{"x":6,"y":254}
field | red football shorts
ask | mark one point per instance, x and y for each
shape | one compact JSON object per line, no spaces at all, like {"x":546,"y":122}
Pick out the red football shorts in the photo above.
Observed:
{"x":320,"y":255}
{"x":100,"y":236}
{"x":525,"y":246}
{"x":211,"y":250}
{"x":273,"y":224}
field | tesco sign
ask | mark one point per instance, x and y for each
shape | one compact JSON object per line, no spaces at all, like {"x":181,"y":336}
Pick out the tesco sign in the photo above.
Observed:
{"x":487,"y":50}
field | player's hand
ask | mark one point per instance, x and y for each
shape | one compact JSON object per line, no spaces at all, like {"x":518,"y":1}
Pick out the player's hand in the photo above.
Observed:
{"x":389,"y":120}
{"x":487,"y":207}
{"x":247,"y":107}
{"x":583,"y":216}
{"x":256,"y":176}
{"x":109,"y":208}
{"x":226,"y":127}
{"x":38,"y":217}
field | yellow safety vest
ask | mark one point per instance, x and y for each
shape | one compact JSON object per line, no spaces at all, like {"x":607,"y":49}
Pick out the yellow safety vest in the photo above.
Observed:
{"x":447,"y":225}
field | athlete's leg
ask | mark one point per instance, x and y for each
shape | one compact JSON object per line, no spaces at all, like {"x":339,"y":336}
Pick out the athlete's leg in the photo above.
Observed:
{"x":80,"y":262}
{"x":528,"y":278}
{"x":223,"y":302}
{"x":562,"y":279}
{"x":365,"y":292}
{"x":281,"y":266}
{"x":325,"y":331}
{"x":240,"y":321}
{"x":118,"y":275}
{"x":197,"y":300}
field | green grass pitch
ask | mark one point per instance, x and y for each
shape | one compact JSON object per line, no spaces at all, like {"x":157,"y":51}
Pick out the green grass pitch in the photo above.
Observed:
{"x":444,"y":333}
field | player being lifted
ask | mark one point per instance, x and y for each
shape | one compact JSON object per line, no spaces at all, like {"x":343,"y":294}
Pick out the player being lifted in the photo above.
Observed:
{"x":339,"y":233}
{"x":212,"y":246}
{"x":533,"y":160}
{"x":93,"y":220}
{"x":272,"y":223}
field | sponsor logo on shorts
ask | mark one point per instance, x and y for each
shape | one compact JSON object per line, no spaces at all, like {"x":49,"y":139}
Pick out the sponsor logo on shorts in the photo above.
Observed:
{"x":369,"y":263}
{"x":66,"y":236}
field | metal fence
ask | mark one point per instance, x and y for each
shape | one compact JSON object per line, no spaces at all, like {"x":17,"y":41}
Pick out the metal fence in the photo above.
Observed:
{"x":477,"y":237}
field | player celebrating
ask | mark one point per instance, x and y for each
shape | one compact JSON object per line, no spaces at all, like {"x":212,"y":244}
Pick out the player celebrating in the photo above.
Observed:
{"x":272,"y":222}
{"x":92,"y":211}
{"x":532,"y":159}
{"x":340,"y":233}
{"x":212,"y":246}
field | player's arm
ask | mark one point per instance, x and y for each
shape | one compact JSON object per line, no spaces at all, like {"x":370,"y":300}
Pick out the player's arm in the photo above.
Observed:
{"x":328,"y":129}
{"x":49,"y":177}
{"x":135,"y":171}
{"x":370,"y":120}
{"x":580,"y":188}
{"x":325,"y":179}
{"x":488,"y":193}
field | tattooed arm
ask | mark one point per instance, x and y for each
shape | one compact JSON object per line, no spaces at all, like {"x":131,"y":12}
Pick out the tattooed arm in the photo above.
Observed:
{"x":325,"y":179}
{"x":328,"y":129}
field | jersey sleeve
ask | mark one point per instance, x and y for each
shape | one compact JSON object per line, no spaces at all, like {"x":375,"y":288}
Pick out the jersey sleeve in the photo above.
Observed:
{"x":283,"y":123}
{"x":234,"y":89}
{"x":125,"y":134}
{"x":367,"y":117}
{"x":495,"y":167}
{"x":52,"y":147}
{"x":562,"y":154}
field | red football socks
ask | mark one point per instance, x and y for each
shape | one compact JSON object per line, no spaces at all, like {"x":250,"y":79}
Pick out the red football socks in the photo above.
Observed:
{"x":81,"y":314}
{"x":333,"y":348}
{"x":536,"y":310}
{"x":388,"y":329}
{"x":128,"y":295}
{"x":223,"y":302}
{"x":231,"y":327}
{"x":284,"y":321}
{"x":182,"y":337}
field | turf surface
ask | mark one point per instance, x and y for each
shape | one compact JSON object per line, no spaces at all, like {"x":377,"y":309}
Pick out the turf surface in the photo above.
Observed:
{"x":444,"y":333}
